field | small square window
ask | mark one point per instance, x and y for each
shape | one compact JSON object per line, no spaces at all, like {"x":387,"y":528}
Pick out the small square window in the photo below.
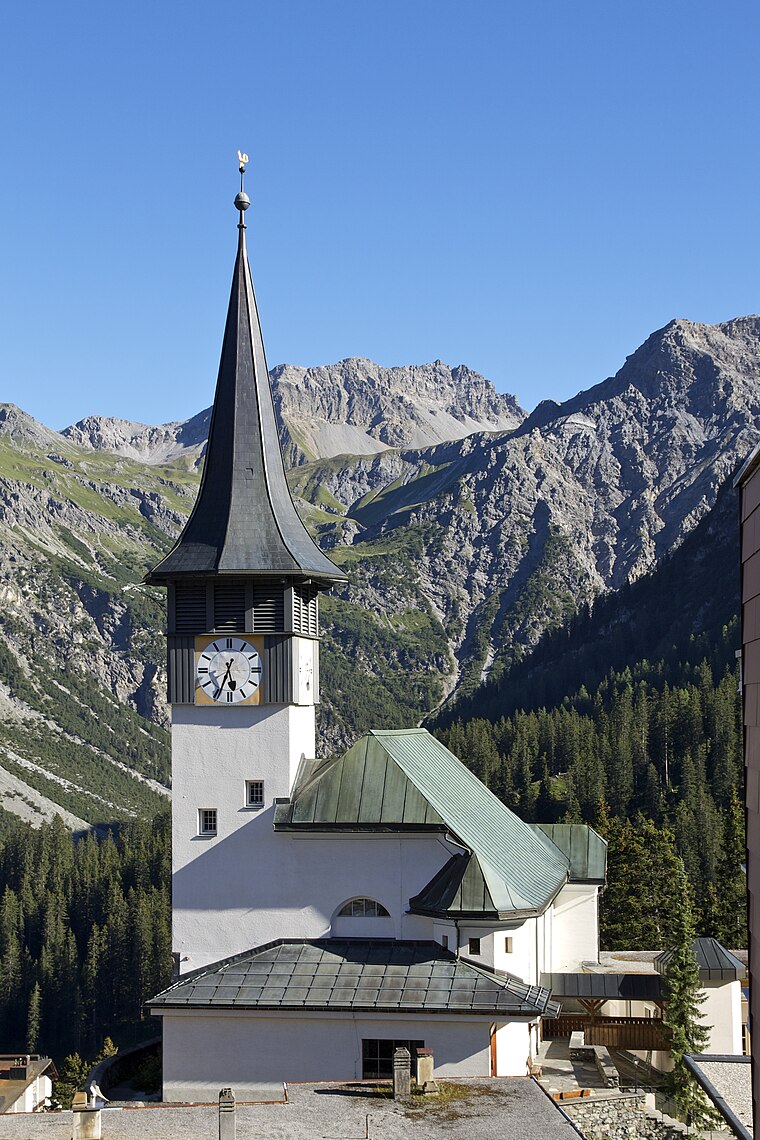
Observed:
{"x":474,"y":945}
{"x":254,"y":793}
{"x":445,"y":941}
{"x":508,"y":945}
{"x":207,"y":821}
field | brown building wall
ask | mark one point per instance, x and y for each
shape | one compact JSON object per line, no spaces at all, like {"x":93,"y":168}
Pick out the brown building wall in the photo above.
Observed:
{"x":749,"y":490}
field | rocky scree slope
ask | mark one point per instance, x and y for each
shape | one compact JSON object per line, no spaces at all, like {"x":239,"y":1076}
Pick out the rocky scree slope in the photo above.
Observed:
{"x":460,"y":556}
{"x":354,"y":407}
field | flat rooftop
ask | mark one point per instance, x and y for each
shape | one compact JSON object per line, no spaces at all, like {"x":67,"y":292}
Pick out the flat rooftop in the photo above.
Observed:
{"x":498,"y":1109}
{"x":727,"y":1080}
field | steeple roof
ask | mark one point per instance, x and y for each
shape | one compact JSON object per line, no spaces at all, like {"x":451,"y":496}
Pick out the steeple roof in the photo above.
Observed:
{"x":244,"y":520}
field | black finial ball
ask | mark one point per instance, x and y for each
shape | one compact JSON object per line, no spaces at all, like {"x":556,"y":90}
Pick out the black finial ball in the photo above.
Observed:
{"x":242,"y":201}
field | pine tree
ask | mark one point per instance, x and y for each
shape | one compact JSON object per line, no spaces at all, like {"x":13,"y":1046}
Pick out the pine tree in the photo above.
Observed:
{"x":686,"y":1030}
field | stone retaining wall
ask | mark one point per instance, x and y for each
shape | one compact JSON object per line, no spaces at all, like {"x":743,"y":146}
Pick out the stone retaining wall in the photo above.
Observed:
{"x":620,"y":1118}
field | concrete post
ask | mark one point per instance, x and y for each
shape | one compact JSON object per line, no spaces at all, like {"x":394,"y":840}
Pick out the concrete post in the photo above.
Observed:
{"x":226,"y":1114}
{"x":425,"y":1071}
{"x":86,"y":1119}
{"x":402,"y":1074}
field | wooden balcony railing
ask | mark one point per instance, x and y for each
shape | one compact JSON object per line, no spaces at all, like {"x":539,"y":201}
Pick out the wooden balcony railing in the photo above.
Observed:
{"x":614,"y":1032}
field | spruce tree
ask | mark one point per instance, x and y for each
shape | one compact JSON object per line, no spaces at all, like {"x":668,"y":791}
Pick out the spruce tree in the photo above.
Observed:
{"x":687,"y":1032}
{"x":33,"y":1020}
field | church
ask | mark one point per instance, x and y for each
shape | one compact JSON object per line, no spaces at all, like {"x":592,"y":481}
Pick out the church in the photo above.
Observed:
{"x":325,"y":911}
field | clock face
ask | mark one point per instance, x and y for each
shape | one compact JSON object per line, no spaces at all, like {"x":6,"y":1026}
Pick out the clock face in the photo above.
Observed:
{"x":228,"y":670}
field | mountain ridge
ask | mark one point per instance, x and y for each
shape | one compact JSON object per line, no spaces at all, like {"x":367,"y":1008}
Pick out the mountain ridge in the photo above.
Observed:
{"x":352,"y":407}
{"x":460,"y":556}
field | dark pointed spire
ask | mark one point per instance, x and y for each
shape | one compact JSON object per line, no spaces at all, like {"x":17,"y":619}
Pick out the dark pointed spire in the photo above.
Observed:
{"x":244,"y":520}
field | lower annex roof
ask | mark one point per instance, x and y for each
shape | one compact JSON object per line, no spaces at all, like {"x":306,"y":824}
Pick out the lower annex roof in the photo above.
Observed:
{"x":355,"y":974}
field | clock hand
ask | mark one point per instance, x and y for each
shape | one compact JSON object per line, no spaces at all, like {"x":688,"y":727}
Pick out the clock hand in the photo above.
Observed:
{"x":226,"y":676}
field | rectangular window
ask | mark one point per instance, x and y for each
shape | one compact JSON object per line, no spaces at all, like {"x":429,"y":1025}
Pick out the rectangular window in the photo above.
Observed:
{"x":474,"y":945}
{"x":207,"y":821}
{"x":377,"y":1057}
{"x":508,"y":945}
{"x":445,"y":941}
{"x":254,"y":793}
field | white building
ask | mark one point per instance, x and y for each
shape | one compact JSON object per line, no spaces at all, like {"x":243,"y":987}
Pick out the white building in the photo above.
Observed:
{"x":325,"y":909}
{"x":26,"y":1082}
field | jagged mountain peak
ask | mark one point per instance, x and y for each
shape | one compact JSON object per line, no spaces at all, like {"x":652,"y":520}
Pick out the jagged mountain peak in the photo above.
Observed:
{"x":354,"y":407}
{"x":687,"y":361}
{"x":24,"y":429}
{"x":163,"y":443}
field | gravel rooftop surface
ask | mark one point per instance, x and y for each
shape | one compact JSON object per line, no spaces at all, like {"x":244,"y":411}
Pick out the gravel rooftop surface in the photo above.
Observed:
{"x":499,"y":1109}
{"x":733,"y":1081}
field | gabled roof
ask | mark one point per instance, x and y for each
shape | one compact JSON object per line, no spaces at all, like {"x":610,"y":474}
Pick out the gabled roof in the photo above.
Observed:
{"x":407,"y":780}
{"x":244,"y":520}
{"x":355,"y":974}
{"x":716,"y":964}
{"x":13,"y":1087}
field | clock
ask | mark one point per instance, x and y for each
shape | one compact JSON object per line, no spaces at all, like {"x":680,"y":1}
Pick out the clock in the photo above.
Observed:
{"x":228,"y":671}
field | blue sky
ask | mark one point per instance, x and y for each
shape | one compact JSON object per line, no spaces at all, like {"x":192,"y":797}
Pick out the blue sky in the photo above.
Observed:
{"x":528,"y":188}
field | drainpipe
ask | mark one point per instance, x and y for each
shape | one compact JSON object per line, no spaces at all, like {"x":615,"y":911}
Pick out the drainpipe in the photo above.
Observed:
{"x":456,"y":927}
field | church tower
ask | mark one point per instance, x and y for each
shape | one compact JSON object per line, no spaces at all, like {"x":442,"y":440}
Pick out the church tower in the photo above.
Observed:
{"x":243,"y":583}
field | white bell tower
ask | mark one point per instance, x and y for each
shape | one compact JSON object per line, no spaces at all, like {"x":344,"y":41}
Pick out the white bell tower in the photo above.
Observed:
{"x":243,"y":584}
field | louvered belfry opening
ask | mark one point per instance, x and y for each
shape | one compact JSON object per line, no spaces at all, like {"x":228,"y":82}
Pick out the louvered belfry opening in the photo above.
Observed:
{"x":268,"y":606}
{"x":229,"y":606}
{"x":245,"y":605}
{"x":190,"y":607}
{"x":306,"y":610}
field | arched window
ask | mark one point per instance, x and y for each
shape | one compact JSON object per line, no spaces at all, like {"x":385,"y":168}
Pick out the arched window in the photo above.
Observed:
{"x":363,"y":908}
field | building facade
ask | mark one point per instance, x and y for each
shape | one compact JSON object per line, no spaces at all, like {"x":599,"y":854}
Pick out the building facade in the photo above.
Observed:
{"x":325,"y":909}
{"x":748,"y":483}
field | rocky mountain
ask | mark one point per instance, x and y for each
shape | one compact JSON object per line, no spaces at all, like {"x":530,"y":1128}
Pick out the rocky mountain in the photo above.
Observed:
{"x":460,"y":555}
{"x":354,"y":407}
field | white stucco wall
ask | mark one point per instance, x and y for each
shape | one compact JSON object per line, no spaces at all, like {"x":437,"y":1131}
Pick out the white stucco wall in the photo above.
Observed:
{"x":575,"y":928}
{"x":722,"y":1010}
{"x":513,"y":1048}
{"x":531,"y":946}
{"x":209,"y":1051}
{"x":34,"y":1096}
{"x":254,"y":885}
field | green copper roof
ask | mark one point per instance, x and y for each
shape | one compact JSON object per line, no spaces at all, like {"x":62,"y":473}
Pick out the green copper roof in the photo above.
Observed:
{"x":407,"y":779}
{"x":458,"y":890}
{"x":586,"y":850}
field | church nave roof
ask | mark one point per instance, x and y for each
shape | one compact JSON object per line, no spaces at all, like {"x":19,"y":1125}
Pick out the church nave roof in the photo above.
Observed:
{"x":406,"y":780}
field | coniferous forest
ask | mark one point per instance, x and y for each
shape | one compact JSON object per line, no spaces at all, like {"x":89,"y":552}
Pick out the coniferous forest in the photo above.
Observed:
{"x":656,"y":767}
{"x":85,"y":934}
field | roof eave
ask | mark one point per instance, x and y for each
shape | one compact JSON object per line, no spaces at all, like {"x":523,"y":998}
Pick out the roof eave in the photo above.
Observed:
{"x":447,"y":1011}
